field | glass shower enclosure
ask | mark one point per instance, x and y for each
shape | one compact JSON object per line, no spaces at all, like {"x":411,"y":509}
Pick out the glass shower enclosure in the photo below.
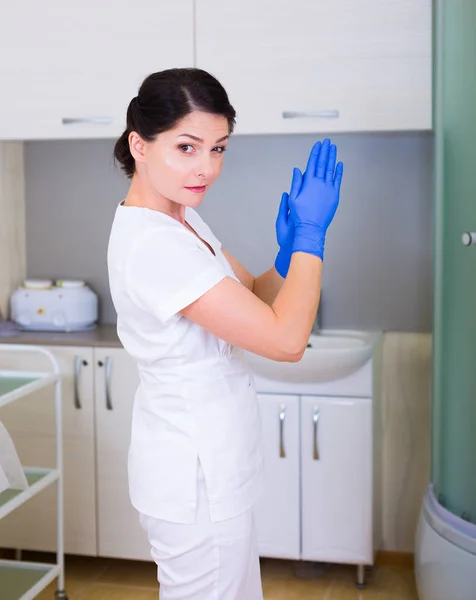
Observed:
{"x":454,"y":332}
{"x":445,"y":544}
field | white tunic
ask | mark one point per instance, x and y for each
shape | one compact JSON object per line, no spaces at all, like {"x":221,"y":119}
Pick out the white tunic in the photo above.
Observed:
{"x":196,"y":399}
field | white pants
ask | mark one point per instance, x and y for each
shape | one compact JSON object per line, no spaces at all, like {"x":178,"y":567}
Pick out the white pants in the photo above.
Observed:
{"x":206,"y":560}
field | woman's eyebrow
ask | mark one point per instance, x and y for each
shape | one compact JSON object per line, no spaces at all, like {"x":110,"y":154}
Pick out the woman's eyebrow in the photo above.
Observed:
{"x":197,"y":139}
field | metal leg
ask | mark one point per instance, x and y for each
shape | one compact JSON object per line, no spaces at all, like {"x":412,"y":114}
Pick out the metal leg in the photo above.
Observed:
{"x":18,"y":553}
{"x":60,"y":593}
{"x":360,"y":577}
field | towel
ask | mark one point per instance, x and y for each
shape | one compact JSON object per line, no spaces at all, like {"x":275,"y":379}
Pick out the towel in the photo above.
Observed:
{"x":11,"y":473}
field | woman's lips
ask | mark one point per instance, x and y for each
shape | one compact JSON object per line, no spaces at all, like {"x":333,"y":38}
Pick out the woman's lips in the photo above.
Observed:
{"x":198,"y":189}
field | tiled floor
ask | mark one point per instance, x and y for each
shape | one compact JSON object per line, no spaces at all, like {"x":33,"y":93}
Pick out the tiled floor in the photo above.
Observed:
{"x":104,"y":579}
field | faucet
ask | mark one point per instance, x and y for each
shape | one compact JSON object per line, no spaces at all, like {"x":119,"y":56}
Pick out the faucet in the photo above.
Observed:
{"x":317,"y":325}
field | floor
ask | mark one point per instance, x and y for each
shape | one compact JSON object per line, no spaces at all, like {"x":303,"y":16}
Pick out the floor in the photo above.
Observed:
{"x":105,"y":579}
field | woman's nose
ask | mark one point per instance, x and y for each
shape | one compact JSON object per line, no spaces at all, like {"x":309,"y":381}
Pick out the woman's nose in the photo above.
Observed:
{"x":204,"y":167}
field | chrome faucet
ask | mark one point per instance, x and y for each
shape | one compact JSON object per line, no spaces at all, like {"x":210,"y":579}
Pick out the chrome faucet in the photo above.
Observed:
{"x":317,"y":326}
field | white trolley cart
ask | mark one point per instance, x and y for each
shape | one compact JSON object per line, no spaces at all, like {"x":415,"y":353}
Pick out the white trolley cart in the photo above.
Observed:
{"x":20,"y":580}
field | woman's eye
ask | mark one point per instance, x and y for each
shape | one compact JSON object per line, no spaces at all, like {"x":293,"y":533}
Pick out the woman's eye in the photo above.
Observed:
{"x":188,"y":149}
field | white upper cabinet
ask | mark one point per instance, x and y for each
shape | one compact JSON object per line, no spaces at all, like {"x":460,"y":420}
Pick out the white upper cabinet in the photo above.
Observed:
{"x":320,"y":65}
{"x":69,"y":69}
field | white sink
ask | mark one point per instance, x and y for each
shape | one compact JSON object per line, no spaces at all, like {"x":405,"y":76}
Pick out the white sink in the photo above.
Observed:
{"x":331,"y":355}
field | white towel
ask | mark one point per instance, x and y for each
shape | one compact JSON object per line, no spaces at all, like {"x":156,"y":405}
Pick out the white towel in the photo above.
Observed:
{"x":11,"y":472}
{"x":4,"y":485}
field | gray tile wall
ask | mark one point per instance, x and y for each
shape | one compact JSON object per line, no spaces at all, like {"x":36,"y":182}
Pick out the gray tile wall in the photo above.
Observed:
{"x":378,"y":263}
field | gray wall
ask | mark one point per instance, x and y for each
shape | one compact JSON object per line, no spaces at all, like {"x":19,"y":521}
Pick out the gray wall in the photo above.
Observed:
{"x":378,"y":263}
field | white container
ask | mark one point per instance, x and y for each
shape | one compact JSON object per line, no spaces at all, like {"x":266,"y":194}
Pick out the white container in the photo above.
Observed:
{"x":38,"y":305}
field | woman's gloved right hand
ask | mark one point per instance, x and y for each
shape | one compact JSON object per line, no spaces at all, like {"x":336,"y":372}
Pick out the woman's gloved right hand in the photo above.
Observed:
{"x":313,"y":209}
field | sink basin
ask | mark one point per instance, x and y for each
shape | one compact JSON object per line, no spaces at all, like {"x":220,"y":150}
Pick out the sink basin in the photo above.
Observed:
{"x":330,"y":355}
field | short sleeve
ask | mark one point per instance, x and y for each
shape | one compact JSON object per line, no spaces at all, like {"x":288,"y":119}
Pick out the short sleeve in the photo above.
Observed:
{"x":168,"y":269}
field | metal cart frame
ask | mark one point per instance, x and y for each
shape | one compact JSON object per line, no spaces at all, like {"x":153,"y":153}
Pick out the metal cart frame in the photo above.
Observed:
{"x":28,"y":579}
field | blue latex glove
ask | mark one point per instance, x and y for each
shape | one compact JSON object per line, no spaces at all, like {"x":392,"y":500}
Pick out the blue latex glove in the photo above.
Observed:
{"x":285,"y":226}
{"x":313,"y":209}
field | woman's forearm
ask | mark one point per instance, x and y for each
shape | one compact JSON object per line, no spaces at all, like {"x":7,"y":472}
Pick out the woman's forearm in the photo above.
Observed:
{"x":268,"y":285}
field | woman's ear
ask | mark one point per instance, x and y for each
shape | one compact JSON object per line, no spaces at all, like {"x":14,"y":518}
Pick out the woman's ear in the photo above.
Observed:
{"x":137,"y":146}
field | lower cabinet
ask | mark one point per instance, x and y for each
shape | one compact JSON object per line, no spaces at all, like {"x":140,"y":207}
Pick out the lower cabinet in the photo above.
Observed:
{"x":120,"y":534}
{"x":336,"y":467}
{"x":318,"y":500}
{"x":277,"y":513}
{"x":317,"y":503}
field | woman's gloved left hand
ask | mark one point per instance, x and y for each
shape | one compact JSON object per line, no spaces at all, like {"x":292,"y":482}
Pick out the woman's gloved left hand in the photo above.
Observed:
{"x":285,"y":226}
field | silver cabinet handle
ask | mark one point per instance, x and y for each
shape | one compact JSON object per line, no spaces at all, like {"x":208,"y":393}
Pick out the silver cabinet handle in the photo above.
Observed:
{"x":469,"y":238}
{"x":282,"y":414}
{"x":86,"y":120}
{"x":315,"y":419}
{"x":78,"y":363}
{"x":108,"y":382}
{"x":107,"y":376}
{"x":313,"y":114}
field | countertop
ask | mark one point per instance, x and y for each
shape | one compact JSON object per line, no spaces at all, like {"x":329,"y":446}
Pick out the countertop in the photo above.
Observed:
{"x":102,"y":335}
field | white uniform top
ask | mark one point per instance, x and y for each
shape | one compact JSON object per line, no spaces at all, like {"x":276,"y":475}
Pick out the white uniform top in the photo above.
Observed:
{"x":196,"y":398}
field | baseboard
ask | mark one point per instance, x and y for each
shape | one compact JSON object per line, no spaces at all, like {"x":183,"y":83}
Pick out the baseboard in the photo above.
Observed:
{"x":388,"y":558}
{"x":384,"y":558}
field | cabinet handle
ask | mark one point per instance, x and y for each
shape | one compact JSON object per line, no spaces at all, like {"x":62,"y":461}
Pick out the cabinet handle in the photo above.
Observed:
{"x":86,"y":120}
{"x":78,"y":363}
{"x":108,"y":382}
{"x":313,"y":114}
{"x":107,"y":374}
{"x":282,"y":414}
{"x":315,"y":419}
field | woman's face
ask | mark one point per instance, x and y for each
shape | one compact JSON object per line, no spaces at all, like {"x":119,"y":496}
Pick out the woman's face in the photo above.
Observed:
{"x":182,"y":163}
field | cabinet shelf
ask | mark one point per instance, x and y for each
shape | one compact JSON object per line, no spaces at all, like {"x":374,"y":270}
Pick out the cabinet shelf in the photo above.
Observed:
{"x":37,"y":479}
{"x":25,"y":580}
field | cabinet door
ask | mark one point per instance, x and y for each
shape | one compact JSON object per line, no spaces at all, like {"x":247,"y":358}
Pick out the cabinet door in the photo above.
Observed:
{"x":31,"y":421}
{"x":116,"y":380}
{"x":320,"y":65}
{"x":336,"y":479}
{"x":83,"y":61}
{"x":277,"y":513}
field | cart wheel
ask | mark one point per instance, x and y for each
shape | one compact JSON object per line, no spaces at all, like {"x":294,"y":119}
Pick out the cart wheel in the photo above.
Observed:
{"x":61,"y":595}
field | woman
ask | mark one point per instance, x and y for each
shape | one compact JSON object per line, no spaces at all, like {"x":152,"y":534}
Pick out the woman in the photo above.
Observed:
{"x":186,"y":310}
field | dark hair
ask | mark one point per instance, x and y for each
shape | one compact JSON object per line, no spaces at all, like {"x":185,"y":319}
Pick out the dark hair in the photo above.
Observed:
{"x":163,"y":99}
